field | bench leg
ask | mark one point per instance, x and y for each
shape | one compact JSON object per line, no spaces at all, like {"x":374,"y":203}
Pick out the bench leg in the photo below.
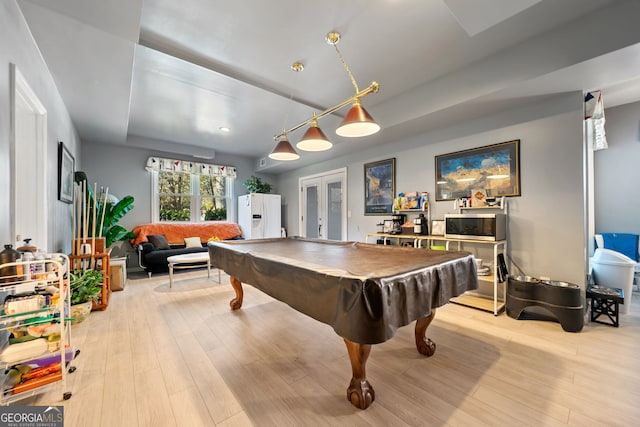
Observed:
{"x":170,"y":274}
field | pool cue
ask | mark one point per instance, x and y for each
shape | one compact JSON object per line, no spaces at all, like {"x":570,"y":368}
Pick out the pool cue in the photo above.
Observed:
{"x":104,"y":209}
{"x":92,"y":264}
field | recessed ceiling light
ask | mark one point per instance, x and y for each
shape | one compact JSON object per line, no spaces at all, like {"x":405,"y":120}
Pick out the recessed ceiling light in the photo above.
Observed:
{"x":224,"y":129}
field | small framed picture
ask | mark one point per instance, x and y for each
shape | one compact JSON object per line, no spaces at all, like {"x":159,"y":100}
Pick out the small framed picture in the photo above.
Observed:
{"x":66,"y":164}
{"x":379,"y":187}
{"x":437,"y":227}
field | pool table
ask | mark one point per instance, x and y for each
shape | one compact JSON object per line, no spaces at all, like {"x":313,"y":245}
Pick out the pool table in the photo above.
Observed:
{"x":365,"y":292}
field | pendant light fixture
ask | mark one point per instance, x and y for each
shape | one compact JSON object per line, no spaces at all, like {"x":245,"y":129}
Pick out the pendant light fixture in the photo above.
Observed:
{"x":358,"y":122}
{"x":314,"y":139}
{"x":284,"y":150}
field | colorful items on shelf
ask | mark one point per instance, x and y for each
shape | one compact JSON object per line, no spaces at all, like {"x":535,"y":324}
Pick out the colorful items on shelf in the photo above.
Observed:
{"x":411,"y":201}
{"x":34,"y":350}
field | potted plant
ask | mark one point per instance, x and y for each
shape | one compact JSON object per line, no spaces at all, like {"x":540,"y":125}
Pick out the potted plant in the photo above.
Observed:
{"x":86,"y":287}
{"x":256,"y":185}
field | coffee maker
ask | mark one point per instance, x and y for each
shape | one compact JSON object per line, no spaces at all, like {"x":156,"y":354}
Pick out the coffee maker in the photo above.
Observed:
{"x":420,"y":225}
{"x":398,"y":222}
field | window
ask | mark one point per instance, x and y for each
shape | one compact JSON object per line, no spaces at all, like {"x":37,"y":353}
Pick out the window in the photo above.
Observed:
{"x":190,"y":192}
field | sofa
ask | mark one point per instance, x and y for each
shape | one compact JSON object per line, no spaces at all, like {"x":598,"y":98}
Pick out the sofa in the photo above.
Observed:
{"x":156,"y":242}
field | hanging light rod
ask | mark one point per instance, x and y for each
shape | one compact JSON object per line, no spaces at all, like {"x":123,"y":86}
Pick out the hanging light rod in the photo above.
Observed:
{"x":374,"y":87}
{"x":357,"y":122}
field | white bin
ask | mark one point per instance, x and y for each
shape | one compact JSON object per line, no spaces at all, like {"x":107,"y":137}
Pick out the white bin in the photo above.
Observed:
{"x":614,"y":270}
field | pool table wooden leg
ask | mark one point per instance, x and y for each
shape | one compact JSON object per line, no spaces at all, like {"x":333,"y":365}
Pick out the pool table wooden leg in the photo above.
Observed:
{"x":423,"y":344}
{"x":360,"y":393}
{"x":236,"y":303}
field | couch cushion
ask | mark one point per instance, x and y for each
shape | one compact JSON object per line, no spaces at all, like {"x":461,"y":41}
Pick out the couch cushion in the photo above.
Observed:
{"x":192,"y":242}
{"x":159,"y":241}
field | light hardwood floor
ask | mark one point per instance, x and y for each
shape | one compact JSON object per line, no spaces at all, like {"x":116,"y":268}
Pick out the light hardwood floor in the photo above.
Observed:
{"x":179,"y":357}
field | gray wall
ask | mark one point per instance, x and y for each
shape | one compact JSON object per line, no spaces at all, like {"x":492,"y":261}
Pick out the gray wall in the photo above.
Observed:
{"x":122,"y":169}
{"x":546,"y":224}
{"x":617,"y":172}
{"x":18,"y":47}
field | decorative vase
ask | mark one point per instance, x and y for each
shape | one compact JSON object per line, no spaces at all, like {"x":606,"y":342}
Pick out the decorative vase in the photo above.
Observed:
{"x":81,"y":311}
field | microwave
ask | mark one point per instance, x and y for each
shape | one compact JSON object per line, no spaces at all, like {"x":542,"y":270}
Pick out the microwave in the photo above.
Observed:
{"x":487,"y":226}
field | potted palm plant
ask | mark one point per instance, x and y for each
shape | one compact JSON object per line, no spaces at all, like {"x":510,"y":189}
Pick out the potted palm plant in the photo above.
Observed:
{"x":86,"y":287}
{"x":109,"y":211}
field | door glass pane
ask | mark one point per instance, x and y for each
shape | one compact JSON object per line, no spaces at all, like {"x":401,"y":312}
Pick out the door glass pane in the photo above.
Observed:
{"x":334,"y":211}
{"x":311,"y":213}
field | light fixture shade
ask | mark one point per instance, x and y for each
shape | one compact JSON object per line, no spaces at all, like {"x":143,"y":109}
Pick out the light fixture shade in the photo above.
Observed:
{"x":314,"y":139}
{"x":357,"y":123}
{"x":284,"y":151}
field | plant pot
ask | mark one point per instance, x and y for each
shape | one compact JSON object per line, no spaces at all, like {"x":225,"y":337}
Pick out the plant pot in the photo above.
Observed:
{"x":81,"y":311}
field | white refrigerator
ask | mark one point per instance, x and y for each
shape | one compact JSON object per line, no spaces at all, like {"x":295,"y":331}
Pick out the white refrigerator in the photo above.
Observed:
{"x":259,"y":215}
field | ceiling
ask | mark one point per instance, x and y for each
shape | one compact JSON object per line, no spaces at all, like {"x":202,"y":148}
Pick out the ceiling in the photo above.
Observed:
{"x":167,"y":75}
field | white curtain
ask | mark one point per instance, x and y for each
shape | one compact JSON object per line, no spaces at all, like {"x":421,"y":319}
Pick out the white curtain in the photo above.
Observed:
{"x":594,"y":118}
{"x":160,"y":164}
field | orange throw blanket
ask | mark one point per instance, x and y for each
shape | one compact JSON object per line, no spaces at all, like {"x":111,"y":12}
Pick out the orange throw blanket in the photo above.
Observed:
{"x":176,"y":232}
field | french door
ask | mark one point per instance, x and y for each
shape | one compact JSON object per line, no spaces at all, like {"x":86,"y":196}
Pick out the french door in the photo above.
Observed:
{"x":323,"y":208}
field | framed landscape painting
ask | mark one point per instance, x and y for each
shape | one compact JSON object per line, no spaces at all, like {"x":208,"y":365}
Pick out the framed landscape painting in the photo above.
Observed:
{"x":379,"y":187}
{"x":493,"y":168}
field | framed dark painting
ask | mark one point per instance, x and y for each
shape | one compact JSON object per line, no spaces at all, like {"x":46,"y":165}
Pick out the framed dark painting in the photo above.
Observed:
{"x":66,"y":164}
{"x":379,"y":187}
{"x":493,"y":168}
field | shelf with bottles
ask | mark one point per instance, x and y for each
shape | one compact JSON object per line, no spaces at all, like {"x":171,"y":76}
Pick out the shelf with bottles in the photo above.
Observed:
{"x":415,"y":207}
{"x":467,"y":203}
{"x":35,"y":336}
{"x":416,"y":201}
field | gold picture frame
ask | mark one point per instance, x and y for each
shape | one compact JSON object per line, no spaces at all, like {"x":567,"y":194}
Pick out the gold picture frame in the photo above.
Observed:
{"x":494,"y":168}
{"x":379,"y":187}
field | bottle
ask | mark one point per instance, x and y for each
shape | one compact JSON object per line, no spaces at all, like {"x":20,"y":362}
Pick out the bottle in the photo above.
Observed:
{"x":9,"y":274}
{"x":38,"y":265}
{"x":416,"y":225}
{"x":424,"y":201}
{"x":29,"y":267}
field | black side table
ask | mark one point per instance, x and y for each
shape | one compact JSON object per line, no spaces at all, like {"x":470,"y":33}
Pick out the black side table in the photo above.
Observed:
{"x":605,"y":301}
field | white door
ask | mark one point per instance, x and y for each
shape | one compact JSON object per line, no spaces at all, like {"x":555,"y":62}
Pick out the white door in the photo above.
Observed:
{"x":323,"y":206}
{"x":28,"y":165}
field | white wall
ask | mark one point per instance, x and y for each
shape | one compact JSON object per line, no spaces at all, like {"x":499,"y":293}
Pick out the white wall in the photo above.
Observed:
{"x":17,"y":46}
{"x":546,"y":224}
{"x":617,"y":172}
